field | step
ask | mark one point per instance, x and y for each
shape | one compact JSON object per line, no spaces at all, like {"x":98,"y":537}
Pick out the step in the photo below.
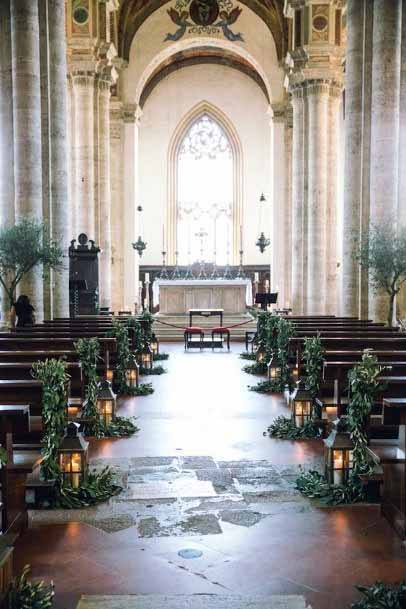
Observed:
{"x":195,"y":601}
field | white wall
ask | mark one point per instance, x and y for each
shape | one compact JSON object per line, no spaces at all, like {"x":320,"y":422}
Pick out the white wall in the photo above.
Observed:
{"x":244,"y":104}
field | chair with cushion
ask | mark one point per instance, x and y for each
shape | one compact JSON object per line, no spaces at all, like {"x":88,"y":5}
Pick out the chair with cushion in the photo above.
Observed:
{"x":221,"y":331}
{"x":193,"y":331}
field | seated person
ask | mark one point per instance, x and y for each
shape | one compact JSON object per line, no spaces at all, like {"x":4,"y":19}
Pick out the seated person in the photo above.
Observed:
{"x":24,"y":311}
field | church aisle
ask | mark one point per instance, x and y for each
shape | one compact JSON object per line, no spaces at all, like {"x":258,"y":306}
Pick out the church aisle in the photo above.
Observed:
{"x":202,"y":481}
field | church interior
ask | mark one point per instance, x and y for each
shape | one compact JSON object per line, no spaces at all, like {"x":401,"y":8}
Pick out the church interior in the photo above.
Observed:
{"x":202,"y":304}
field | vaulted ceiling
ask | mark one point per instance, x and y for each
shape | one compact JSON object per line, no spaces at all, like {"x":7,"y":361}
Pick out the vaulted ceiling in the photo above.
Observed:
{"x":134,"y":12}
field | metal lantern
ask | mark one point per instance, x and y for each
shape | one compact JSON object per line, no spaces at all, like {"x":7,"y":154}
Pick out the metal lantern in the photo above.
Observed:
{"x":338,"y":454}
{"x":72,"y":456}
{"x":106,"y":402}
{"x":132,"y":374}
{"x":145,"y":357}
{"x":302,"y":405}
{"x":261,"y":353}
{"x":154,"y":345}
{"x":109,"y":375}
{"x":262,"y":241}
{"x":274,"y":370}
{"x":140,"y":245}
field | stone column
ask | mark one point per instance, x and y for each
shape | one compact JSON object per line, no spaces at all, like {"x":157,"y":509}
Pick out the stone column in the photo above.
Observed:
{"x":353,"y":157}
{"x":83,"y":94}
{"x":61,"y":225}
{"x":298,"y":200}
{"x":331,"y":271}
{"x":401,"y":213}
{"x":288,"y":209}
{"x":318,"y":101}
{"x":131,"y":115}
{"x":103,"y":88}
{"x":385,"y":123}
{"x":27,"y":127}
{"x":117,"y":208}
{"x":6,"y":126}
{"x":71,"y":160}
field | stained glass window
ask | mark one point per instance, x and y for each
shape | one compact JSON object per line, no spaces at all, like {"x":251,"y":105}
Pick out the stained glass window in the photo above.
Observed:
{"x":205,"y":192}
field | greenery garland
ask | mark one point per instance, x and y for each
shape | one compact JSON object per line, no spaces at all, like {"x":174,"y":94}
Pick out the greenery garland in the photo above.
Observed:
{"x":88,"y":350}
{"x":52,"y":374}
{"x":315,"y":486}
{"x":285,"y":332}
{"x":248,"y":356}
{"x":364,"y":386}
{"x":25,"y":594}
{"x":285,"y":429}
{"x":159,"y":357}
{"x":266,"y":387}
{"x":3,"y":457}
{"x":120,"y":333}
{"x":382,"y":596}
{"x":313,"y":356}
{"x":97,"y":488}
{"x":256,"y":368}
{"x":155,"y":371}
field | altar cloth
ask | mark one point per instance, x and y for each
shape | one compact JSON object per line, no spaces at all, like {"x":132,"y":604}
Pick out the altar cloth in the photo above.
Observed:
{"x":177,"y":296}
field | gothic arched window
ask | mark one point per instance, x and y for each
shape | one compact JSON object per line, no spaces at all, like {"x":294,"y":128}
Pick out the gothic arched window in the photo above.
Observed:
{"x":205,"y":193}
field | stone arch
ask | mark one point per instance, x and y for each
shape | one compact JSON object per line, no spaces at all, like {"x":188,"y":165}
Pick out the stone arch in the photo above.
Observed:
{"x":192,"y":116}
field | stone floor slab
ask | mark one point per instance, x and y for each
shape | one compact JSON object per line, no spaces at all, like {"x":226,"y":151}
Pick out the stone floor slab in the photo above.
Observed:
{"x":201,"y":601}
{"x":168,"y":490}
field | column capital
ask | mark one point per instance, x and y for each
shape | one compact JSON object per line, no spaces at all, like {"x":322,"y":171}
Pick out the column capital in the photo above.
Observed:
{"x":83,"y":78}
{"x":279,"y":112}
{"x":132,"y":113}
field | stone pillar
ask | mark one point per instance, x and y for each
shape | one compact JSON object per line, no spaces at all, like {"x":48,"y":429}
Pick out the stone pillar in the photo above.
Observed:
{"x":401,"y":213}
{"x":117,"y":208}
{"x":353,"y":157}
{"x":131,"y":115}
{"x":61,"y":226}
{"x":298,"y":201}
{"x":318,"y":102}
{"x":27,"y":127}
{"x":71,"y":160}
{"x":288,"y":209}
{"x":385,"y":123}
{"x":83,"y":94}
{"x":280,"y":237}
{"x":331,"y":270}
{"x":103,"y":88}
{"x":7,"y":216}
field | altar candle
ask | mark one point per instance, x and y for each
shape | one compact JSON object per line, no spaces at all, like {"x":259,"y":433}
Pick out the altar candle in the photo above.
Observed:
{"x":163,"y":237}
{"x":241,"y":237}
{"x":266,"y":284}
{"x":256,"y":277}
{"x":146,"y":277}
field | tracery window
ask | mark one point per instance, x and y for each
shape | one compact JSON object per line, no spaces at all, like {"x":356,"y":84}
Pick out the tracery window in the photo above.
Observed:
{"x":205,"y":192}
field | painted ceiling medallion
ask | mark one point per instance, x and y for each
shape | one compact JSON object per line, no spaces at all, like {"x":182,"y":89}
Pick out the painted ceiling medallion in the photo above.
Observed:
{"x":204,"y":17}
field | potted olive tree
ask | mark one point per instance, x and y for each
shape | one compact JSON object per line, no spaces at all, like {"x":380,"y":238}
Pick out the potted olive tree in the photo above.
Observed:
{"x":383,"y":254}
{"x":24,"y":246}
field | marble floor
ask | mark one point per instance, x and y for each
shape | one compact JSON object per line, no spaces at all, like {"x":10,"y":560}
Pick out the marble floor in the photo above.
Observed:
{"x":209,"y":505}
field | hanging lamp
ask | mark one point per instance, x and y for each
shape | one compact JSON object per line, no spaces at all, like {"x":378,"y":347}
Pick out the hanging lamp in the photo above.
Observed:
{"x":262,"y":241}
{"x":140,"y":245}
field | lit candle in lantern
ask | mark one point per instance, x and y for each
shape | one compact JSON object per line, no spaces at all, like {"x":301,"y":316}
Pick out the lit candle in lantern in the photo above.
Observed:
{"x":338,"y":462}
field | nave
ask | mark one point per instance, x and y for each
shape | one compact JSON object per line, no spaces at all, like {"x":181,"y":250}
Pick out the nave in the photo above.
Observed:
{"x":234,"y":501}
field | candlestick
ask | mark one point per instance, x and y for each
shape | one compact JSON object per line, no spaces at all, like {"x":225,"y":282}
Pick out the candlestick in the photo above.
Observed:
{"x":163,"y":237}
{"x":241,"y":243}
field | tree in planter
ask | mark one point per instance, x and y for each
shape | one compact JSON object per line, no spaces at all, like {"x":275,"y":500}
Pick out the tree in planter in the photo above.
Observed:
{"x":383,"y":254}
{"x":52,"y":374}
{"x":23,"y":247}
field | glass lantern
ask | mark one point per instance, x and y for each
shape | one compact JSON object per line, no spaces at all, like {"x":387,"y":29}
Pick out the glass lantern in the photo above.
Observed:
{"x":106,"y":402}
{"x":261,"y":353}
{"x":338,"y":454}
{"x":154,"y":345}
{"x":302,"y":405}
{"x":274,"y":370}
{"x":132,"y":374}
{"x":72,"y":456}
{"x":145,"y":357}
{"x":295,"y":373}
{"x":109,"y":375}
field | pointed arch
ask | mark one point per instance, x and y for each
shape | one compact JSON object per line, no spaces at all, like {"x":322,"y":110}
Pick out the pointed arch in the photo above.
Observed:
{"x":201,"y":109}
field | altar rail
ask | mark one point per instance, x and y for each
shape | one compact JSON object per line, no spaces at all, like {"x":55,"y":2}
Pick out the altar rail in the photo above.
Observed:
{"x":263,"y":270}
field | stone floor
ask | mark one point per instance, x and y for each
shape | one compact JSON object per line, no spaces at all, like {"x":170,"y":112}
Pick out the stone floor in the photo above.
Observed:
{"x":209,"y":505}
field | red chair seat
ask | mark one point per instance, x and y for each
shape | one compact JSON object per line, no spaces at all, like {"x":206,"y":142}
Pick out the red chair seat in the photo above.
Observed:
{"x":194,"y":330}
{"x":220,"y":329}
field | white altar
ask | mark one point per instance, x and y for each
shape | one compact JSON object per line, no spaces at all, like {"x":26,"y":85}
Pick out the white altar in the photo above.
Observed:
{"x":177,"y":296}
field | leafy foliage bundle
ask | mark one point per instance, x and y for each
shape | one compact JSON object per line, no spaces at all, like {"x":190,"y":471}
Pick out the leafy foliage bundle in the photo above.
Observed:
{"x":285,"y":429}
{"x":3,"y":457}
{"x":52,"y":373}
{"x":155,"y":371}
{"x":285,"y":332}
{"x":25,"y":594}
{"x":97,"y":488}
{"x":315,"y":486}
{"x":88,"y":350}
{"x":382,"y":596}
{"x":313,"y":354}
{"x":364,"y":386}
{"x":383,"y":254}
{"x":24,"y":246}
